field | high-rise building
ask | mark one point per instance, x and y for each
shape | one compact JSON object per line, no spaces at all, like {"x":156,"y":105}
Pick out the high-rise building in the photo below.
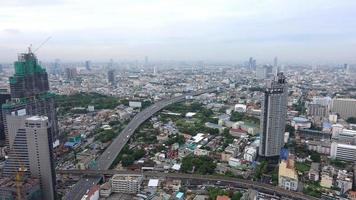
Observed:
{"x":1,"y":68}
{"x":344,"y":107}
{"x":31,"y":151}
{"x":30,"y":95}
{"x":154,"y":71}
{"x":252,"y":63}
{"x":146,"y":61}
{"x":111,"y":76}
{"x":273,"y":116}
{"x":265,"y":71}
{"x":70,"y":73}
{"x":4,"y":97}
{"x":275,"y":62}
{"x":30,"y":78}
{"x":317,"y":110}
{"x":346,"y":152}
{"x":88,"y":65}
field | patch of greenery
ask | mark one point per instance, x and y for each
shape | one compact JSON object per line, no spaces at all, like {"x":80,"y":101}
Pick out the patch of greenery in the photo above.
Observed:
{"x":261,"y":169}
{"x":128,"y":156}
{"x":107,"y":135}
{"x":302,"y":167}
{"x":236,"y":116}
{"x":66,"y":103}
{"x":338,"y":163}
{"x":313,"y":189}
{"x":200,"y":164}
{"x":175,"y":139}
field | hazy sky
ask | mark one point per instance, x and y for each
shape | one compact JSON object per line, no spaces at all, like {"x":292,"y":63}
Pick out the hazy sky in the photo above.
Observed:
{"x":294,"y":30}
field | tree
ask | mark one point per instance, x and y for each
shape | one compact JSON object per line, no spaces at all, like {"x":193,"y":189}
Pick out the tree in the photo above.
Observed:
{"x":236,"y":196}
{"x":290,"y":129}
{"x":200,"y":164}
{"x":315,"y":157}
{"x":127,"y":160}
{"x":236,"y":116}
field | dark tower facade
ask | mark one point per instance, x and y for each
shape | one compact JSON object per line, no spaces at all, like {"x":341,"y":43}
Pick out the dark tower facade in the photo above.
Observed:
{"x":273,"y":117}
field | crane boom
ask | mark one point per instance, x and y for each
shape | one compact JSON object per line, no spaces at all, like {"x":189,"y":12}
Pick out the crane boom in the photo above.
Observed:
{"x":44,"y":42}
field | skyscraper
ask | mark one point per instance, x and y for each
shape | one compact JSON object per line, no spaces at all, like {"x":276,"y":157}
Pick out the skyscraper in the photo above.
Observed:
{"x":29,"y":79}
{"x":30,"y":95}
{"x":273,"y":116}
{"x":88,"y":65}
{"x":275,"y":62}
{"x":4,"y":97}
{"x":111,"y":76}
{"x":31,"y":151}
{"x":252,"y":63}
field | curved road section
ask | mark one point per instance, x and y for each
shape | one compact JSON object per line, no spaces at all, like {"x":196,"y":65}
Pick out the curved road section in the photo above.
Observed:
{"x":106,"y":159}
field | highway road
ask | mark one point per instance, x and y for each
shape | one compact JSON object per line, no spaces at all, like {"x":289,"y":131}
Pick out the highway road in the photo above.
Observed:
{"x":241,"y":183}
{"x":106,"y":159}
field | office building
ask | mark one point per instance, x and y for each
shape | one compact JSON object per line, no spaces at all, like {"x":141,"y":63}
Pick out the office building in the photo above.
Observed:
{"x":88,"y":65}
{"x":287,"y":175}
{"x":124,"y":183}
{"x":317,"y":110}
{"x":31,"y":151}
{"x":344,"y":107}
{"x":273,"y":116}
{"x":345,"y":136}
{"x":30,"y":95}
{"x":276,"y":68}
{"x":1,"y":68}
{"x":346,"y":152}
{"x":265,"y":71}
{"x":111,"y":76}
{"x":70,"y":73}
{"x":252,"y":64}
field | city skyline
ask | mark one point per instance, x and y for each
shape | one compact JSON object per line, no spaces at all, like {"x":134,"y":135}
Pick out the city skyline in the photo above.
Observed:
{"x":295,"y":31}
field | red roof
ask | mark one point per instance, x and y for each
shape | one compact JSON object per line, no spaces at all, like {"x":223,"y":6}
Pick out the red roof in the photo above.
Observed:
{"x":222,"y":198}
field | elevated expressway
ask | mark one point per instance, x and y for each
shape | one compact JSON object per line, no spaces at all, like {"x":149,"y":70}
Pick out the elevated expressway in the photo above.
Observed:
{"x":107,"y":158}
{"x":226,"y":181}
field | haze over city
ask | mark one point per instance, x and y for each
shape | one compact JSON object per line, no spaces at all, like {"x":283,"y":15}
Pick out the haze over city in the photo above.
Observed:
{"x":314,"y":32}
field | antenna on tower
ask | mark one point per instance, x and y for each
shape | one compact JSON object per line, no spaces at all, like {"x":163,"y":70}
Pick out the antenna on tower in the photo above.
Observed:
{"x":43,"y":43}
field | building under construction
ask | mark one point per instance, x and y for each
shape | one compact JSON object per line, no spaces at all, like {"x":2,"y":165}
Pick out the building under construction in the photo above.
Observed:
{"x":26,"y":189}
{"x":30,"y":95}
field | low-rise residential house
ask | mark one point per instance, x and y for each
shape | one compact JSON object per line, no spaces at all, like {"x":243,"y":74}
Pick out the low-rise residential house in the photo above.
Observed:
{"x":344,"y":181}
{"x":238,"y":132}
{"x":314,"y":172}
{"x":250,"y":154}
{"x":201,"y":152}
{"x":327,"y":174}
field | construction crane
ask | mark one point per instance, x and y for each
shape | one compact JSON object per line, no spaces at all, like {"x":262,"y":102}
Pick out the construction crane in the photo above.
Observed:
{"x":20,"y":173}
{"x":43,"y":43}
